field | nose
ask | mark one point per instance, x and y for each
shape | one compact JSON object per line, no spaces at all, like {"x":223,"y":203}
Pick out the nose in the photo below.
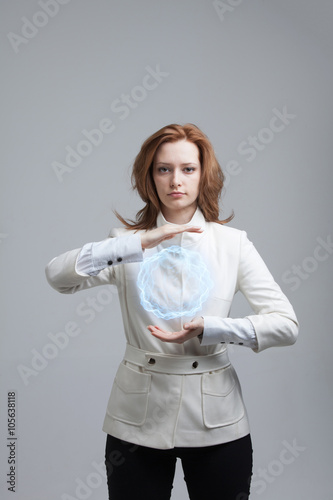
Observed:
{"x":175,"y":179}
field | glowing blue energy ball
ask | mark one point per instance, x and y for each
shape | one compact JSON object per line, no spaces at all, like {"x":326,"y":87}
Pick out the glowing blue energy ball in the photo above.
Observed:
{"x":173,"y":283}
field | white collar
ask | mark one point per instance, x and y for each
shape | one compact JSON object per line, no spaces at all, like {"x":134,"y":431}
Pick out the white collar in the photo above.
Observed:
{"x":184,"y":239}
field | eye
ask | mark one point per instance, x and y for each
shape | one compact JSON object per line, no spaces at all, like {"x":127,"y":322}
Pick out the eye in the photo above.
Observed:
{"x":189,"y":170}
{"x":162,"y":169}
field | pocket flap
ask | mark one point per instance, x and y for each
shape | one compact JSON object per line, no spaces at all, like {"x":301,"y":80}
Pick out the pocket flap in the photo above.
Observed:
{"x":219,"y":383}
{"x":132,"y":381}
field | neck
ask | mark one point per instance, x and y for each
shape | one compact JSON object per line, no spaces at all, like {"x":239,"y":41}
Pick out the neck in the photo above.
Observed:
{"x":179,"y":216}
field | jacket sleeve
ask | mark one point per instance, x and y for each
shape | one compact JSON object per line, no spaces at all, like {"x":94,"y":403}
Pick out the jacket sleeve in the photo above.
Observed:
{"x":274,"y":321}
{"x":63,"y":275}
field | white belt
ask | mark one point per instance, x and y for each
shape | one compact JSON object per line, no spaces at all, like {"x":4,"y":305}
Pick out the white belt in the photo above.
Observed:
{"x":176,"y":364}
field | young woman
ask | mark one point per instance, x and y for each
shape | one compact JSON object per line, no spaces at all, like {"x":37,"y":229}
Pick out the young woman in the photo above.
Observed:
{"x":177,"y":269}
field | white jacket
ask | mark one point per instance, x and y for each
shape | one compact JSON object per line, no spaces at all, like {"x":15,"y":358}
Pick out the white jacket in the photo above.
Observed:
{"x":166,"y":394}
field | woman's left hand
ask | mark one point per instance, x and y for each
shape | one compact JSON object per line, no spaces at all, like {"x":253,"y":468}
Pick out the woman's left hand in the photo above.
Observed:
{"x":192,"y":329}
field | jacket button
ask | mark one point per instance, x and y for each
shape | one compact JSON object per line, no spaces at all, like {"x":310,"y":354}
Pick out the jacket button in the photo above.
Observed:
{"x":151,"y":361}
{"x":195,"y":364}
{"x":110,"y":262}
{"x":119,"y":259}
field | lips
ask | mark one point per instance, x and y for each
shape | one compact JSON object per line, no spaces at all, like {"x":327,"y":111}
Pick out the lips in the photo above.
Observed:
{"x":176,"y":194}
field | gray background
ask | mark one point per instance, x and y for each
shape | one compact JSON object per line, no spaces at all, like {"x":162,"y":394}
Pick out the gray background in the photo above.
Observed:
{"x":226,"y":72}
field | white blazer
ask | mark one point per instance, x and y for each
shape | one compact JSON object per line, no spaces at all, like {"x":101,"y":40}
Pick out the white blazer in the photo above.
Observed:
{"x":200,"y":404}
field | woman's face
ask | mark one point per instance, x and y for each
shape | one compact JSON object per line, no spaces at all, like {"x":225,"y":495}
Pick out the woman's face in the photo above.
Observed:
{"x":176,"y":173}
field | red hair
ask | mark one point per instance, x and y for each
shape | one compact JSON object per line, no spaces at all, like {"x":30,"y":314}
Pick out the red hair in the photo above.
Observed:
{"x":211,"y":180}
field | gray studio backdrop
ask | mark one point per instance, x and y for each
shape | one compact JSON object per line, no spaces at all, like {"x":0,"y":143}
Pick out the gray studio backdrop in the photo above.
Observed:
{"x":84,"y":83}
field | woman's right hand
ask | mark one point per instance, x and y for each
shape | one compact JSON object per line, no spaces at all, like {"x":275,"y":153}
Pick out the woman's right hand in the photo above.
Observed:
{"x":152,"y":238}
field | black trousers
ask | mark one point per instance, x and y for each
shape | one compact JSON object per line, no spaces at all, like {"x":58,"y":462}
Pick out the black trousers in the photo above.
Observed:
{"x":220,"y":472}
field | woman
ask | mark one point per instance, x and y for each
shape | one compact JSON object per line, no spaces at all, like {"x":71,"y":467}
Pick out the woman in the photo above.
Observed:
{"x":177,"y":269}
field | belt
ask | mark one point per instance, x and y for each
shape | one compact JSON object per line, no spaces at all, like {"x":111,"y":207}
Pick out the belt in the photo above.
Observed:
{"x":176,"y":364}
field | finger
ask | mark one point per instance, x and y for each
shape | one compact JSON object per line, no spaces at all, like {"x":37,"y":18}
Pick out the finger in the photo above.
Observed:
{"x":190,"y":229}
{"x":152,"y":328}
{"x":191,"y":326}
{"x":197,"y":322}
{"x":178,"y":231}
{"x":167,"y":336}
{"x":164,"y":336}
{"x":196,"y":229}
{"x":155,"y":327}
{"x":158,"y":332}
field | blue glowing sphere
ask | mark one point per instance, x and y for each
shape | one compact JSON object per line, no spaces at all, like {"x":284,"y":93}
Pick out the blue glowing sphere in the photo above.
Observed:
{"x":174,"y":282}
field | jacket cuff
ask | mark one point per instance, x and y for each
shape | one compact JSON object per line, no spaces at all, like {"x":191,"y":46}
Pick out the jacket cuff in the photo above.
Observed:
{"x":229,"y":331}
{"x":96,"y":256}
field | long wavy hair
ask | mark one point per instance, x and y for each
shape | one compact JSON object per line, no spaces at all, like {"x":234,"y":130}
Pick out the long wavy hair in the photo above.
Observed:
{"x":211,"y":180}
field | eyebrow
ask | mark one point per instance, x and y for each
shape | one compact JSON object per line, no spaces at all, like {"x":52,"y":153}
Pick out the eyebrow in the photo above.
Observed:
{"x":163,"y":163}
